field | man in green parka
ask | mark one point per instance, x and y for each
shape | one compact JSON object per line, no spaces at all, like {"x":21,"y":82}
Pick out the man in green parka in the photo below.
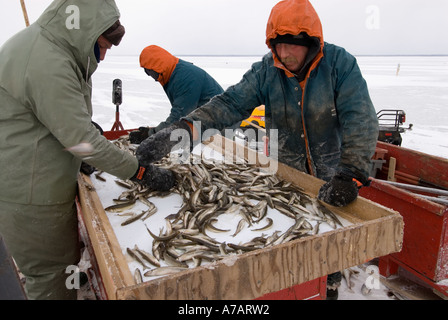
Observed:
{"x":315,"y":98}
{"x":46,"y":132}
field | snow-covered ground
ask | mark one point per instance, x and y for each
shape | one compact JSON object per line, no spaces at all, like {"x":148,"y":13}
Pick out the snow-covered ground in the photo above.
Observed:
{"x":416,"y":84}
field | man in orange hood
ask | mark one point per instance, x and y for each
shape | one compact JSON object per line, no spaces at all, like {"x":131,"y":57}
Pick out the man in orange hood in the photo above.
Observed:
{"x":187,"y":86}
{"x":315,"y":99}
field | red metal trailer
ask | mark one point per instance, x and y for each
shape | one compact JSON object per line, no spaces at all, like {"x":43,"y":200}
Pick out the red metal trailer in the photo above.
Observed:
{"x":425,"y":241}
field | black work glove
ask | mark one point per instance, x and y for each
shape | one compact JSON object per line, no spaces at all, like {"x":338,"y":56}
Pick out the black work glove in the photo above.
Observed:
{"x":87,"y":168}
{"x":141,"y":134}
{"x":155,"y":178}
{"x":160,"y":144}
{"x":339,"y":191}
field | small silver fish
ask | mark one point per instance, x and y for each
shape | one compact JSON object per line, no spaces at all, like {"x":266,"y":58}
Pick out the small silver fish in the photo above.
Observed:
{"x":138,"y":278}
{"x":133,"y":218}
{"x":267,"y":226}
{"x":239,"y":227}
{"x":121,"y":206}
{"x":163,"y":271}
{"x":148,"y":257}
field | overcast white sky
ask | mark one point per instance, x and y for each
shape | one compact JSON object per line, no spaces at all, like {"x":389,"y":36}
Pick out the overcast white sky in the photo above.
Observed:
{"x":237,"y":27}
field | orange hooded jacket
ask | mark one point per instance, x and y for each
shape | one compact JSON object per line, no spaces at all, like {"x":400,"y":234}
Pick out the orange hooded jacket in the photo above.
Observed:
{"x":187,"y":86}
{"x":282,"y":22}
{"x":161,"y":61}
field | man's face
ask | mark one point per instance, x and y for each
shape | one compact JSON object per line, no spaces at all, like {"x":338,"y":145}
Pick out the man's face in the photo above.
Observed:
{"x":152,"y":74}
{"x":104,"y":45}
{"x":291,"y":55}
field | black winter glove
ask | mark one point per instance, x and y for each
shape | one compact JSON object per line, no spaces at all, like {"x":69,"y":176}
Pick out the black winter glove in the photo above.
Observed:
{"x":155,"y":178}
{"x":86,"y":168}
{"x":160,"y":144}
{"x":141,"y":134}
{"x":339,"y":191}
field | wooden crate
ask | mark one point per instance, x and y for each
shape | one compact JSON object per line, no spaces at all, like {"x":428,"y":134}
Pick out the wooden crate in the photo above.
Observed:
{"x":375,"y":231}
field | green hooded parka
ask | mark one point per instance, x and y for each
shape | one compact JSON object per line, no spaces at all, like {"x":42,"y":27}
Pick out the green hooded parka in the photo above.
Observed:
{"x":45,"y":105}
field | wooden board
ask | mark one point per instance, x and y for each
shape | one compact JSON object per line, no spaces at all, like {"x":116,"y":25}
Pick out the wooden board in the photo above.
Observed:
{"x":105,"y":245}
{"x":375,"y":231}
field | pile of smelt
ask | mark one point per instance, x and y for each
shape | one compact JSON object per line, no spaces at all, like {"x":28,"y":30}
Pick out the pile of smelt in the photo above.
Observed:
{"x":209,"y":189}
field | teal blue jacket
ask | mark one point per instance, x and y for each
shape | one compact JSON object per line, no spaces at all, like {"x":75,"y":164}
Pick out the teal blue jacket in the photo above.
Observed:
{"x":331,"y":126}
{"x":323,"y":124}
{"x":188,"y":88}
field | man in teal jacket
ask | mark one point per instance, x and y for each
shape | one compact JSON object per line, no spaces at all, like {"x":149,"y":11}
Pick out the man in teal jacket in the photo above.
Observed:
{"x":315,"y":98}
{"x":187,"y":86}
{"x":45,"y":134}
